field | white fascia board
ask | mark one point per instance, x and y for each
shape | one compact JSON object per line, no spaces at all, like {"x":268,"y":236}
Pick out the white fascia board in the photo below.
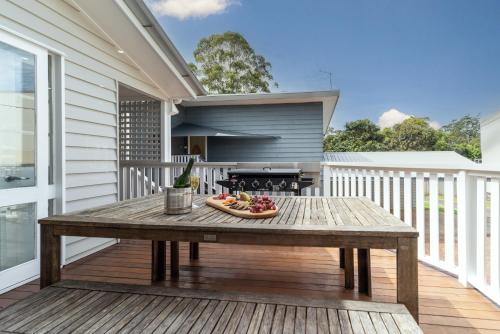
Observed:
{"x":152,"y":43}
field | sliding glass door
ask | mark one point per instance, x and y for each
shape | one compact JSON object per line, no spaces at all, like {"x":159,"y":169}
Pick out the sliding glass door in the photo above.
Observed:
{"x":23,"y":157}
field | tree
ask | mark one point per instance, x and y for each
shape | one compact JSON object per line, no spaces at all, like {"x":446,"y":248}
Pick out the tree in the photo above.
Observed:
{"x":226,"y":64}
{"x":358,"y":136}
{"x":462,"y":136}
{"x":413,"y":134}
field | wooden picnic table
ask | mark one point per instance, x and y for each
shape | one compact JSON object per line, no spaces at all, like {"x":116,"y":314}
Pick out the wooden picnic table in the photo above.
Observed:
{"x":347,"y":223}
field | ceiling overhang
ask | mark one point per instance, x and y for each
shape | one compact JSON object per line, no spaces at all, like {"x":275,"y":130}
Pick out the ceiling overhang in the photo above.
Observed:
{"x":117,"y":21}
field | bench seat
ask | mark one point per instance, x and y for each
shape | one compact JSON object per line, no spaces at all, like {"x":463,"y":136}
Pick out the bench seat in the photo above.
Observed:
{"x":75,"y":306}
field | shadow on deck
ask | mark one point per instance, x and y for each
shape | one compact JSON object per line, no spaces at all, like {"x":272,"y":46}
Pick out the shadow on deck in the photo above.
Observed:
{"x":445,"y":305}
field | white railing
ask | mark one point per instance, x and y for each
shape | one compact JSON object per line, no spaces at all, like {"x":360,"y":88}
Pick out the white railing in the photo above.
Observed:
{"x":457,"y":213}
{"x":184,"y":158}
{"x":143,"y":178}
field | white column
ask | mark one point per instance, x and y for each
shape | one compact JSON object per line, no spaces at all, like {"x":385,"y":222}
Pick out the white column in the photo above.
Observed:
{"x":166,"y":137}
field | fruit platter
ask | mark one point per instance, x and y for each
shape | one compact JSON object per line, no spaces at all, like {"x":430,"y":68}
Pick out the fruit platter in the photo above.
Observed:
{"x":244,"y":205}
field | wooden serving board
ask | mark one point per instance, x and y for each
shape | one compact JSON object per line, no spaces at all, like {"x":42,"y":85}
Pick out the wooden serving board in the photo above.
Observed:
{"x":217,"y":203}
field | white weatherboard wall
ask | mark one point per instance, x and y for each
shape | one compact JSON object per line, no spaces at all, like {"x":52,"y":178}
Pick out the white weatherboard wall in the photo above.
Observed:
{"x":92,"y":68}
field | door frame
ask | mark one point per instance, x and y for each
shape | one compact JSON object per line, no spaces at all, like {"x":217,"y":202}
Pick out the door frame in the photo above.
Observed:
{"x":41,"y":192}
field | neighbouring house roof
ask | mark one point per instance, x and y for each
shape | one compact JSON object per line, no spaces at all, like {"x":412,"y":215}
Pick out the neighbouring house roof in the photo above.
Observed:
{"x":329,"y":99}
{"x":429,"y":158}
{"x":189,"y":129}
{"x":131,"y":26}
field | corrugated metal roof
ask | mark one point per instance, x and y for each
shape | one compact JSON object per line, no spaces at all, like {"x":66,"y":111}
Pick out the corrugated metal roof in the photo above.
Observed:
{"x":401,"y":158}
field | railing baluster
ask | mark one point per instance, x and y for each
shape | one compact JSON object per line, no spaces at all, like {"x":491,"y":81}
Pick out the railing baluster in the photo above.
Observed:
{"x":352,"y":174}
{"x":376,"y":186}
{"x":347,"y":191}
{"x":449,"y":221}
{"x":368,"y":180}
{"x":407,"y":198}
{"x":396,"y":194}
{"x":334,"y":181}
{"x":386,"y":191}
{"x":434,"y":217}
{"x":420,"y":215}
{"x":359,"y":177}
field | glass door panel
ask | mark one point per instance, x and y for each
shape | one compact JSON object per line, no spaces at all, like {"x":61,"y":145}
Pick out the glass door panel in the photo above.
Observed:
{"x":23,"y":157}
{"x":17,"y":115}
{"x":17,"y":235}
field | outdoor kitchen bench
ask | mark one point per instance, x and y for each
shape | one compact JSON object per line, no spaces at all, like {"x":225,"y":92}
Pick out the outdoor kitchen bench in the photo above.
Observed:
{"x":88,"y":307}
{"x":347,"y":223}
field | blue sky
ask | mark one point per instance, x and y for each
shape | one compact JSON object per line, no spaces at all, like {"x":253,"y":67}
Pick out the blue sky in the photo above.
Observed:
{"x":430,"y":58}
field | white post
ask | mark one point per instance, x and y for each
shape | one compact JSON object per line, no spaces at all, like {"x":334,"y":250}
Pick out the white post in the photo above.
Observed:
{"x":166,"y":154}
{"x":434,"y":217}
{"x":326,"y":181}
{"x":420,"y":213}
{"x":396,"y":194}
{"x":466,"y":201}
{"x":449,"y":220}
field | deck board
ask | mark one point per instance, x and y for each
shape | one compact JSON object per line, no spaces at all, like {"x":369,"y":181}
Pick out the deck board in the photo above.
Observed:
{"x":445,"y":305}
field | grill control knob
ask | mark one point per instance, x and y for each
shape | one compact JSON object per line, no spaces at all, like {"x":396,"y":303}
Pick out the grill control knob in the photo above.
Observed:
{"x":282,"y":184}
{"x":242,"y":184}
{"x":269,"y":184}
{"x":255,"y":184}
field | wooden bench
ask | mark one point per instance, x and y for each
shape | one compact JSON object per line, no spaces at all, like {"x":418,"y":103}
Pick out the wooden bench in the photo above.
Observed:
{"x":74,"y":306}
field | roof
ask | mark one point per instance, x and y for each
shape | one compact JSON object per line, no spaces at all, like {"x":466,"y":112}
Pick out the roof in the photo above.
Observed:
{"x":429,"y":158}
{"x":329,"y":99}
{"x":189,"y":129}
{"x":132,"y":28}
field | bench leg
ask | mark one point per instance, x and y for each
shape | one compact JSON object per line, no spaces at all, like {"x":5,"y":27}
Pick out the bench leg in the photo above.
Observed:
{"x":364,"y":271}
{"x":349,"y":268}
{"x":194,"y":251}
{"x":342,"y":257}
{"x":174,"y":259}
{"x":50,"y":257}
{"x":407,"y":275}
{"x":158,"y":259}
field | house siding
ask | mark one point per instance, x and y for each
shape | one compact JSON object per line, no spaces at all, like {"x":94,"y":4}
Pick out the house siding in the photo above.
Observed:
{"x":299,"y":126}
{"x":92,"y":69}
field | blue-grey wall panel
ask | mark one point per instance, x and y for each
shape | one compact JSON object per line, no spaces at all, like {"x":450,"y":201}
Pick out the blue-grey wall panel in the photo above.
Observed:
{"x":299,"y":127}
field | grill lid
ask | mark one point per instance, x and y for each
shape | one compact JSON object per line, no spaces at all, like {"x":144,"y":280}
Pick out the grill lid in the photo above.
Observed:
{"x":265,"y":171}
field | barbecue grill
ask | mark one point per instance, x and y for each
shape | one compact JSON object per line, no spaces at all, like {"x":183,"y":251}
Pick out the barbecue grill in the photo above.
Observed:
{"x":266,"y":179}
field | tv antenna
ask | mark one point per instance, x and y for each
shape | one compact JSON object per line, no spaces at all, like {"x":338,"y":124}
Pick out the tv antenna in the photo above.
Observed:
{"x":330,"y":75}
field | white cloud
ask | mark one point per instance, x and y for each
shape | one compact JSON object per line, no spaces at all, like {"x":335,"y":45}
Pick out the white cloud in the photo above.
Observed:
{"x":183,"y":9}
{"x":391,"y":117}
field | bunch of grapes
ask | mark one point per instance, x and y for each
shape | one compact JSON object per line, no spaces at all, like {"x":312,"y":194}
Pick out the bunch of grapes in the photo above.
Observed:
{"x":262,"y":203}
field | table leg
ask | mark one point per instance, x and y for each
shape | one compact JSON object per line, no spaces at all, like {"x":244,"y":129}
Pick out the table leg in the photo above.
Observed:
{"x":349,"y":268}
{"x":50,"y":257}
{"x":174,"y":259}
{"x":342,"y":257}
{"x":407,"y":275}
{"x":158,"y":259}
{"x":194,"y":251}
{"x":364,"y":271}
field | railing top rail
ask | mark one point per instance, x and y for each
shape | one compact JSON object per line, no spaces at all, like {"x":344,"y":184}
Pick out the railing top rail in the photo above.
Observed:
{"x":148,"y":163}
{"x":479,"y":170}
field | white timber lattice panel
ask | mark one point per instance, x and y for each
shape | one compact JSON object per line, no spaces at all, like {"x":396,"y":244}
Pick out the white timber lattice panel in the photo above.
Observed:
{"x":140,"y":130}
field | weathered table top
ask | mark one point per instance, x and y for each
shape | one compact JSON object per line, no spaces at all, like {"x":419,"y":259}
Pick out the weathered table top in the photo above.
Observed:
{"x":73,"y":306}
{"x":297,"y":215}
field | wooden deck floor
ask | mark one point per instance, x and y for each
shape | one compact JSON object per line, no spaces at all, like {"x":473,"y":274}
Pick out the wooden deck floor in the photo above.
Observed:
{"x":445,"y":305}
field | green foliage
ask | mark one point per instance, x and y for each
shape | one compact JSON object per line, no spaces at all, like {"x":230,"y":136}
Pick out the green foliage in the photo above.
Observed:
{"x":462,"y":136}
{"x":227,"y":64}
{"x":358,"y":136}
{"x":413,"y":134}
